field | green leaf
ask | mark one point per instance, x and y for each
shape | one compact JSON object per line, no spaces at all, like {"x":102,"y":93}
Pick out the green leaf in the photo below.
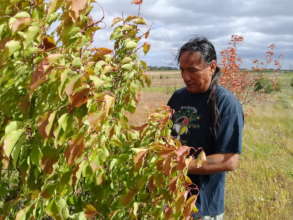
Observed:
{"x":126,"y":60}
{"x":63,"y":121}
{"x":21,"y":215}
{"x":22,"y":14}
{"x":14,"y":125}
{"x":130,"y":44}
{"x":36,"y":156}
{"x":127,"y":66}
{"x":76,"y":62}
{"x":10,"y":140}
{"x":139,"y":20}
{"x":97,"y":81}
{"x":12,"y":46}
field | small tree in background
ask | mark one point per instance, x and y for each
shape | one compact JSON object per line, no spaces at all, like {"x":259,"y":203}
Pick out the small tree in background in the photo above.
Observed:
{"x":67,"y":150}
{"x":247,"y":85}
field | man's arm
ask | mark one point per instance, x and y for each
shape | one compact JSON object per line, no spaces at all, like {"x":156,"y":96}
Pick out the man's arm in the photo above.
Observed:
{"x":215,"y":163}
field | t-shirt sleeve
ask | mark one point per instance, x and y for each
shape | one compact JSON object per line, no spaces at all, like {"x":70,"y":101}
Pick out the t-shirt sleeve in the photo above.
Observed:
{"x":229,"y":134}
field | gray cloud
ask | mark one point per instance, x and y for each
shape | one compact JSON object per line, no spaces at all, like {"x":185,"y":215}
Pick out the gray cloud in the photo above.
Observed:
{"x":260,"y":22}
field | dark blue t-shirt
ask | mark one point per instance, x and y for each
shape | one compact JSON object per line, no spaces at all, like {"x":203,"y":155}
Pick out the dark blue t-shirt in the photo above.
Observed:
{"x":192,"y":112}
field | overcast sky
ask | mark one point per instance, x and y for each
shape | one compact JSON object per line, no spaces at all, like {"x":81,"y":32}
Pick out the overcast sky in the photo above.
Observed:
{"x":260,"y":22}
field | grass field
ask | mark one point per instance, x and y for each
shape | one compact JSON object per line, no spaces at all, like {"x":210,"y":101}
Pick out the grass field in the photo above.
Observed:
{"x":262,"y":186}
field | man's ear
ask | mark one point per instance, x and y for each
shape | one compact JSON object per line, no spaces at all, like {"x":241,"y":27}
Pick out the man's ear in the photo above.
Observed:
{"x":213,"y":65}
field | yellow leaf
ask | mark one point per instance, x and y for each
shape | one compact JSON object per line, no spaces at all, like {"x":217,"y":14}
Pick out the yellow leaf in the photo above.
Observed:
{"x":146,"y":47}
{"x":116,"y":20}
{"x":90,"y":211}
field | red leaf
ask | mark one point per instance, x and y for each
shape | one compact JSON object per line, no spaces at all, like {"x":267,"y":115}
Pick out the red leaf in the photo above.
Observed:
{"x":137,"y":2}
{"x":48,"y":43}
{"x":74,"y":150}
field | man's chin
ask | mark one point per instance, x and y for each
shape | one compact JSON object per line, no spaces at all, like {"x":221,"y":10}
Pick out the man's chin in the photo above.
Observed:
{"x":195,"y":90}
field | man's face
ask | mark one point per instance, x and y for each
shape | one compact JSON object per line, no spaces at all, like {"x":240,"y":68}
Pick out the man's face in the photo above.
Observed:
{"x":195,"y":72}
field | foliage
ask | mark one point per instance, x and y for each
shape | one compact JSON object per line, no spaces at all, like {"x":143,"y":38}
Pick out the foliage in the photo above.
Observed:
{"x":236,"y":80}
{"x":247,"y":85}
{"x":266,"y":85}
{"x":67,"y":150}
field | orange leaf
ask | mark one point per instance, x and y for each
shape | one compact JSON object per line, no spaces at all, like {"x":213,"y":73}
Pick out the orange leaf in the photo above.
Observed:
{"x":80,"y":98}
{"x":146,"y":34}
{"x":139,"y":159}
{"x":74,"y":150}
{"x":47,"y":164}
{"x":182,"y":152}
{"x":126,"y":199}
{"x":168,"y":212}
{"x":172,"y":185}
{"x":40,"y":74}
{"x":167,"y":166}
{"x":101,"y":52}
{"x":42,"y":124}
{"x":151,"y":184}
{"x":189,"y":205}
{"x":137,"y":2}
{"x":139,"y":128}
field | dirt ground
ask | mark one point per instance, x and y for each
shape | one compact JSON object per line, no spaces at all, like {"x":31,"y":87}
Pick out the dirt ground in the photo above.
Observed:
{"x":149,"y":101}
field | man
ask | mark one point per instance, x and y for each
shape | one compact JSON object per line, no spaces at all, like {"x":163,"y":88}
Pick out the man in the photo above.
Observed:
{"x":212,"y":119}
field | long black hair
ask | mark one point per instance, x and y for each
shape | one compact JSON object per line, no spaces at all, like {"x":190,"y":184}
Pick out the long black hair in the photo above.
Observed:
{"x":208,"y":53}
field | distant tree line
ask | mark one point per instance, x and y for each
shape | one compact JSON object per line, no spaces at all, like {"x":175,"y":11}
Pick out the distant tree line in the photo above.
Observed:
{"x":162,"y":68}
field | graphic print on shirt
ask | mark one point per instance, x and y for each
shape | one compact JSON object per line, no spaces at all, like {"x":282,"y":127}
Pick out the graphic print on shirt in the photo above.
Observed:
{"x":184,"y":119}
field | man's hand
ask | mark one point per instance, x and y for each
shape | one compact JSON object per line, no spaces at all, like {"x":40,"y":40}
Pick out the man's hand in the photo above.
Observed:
{"x":215,"y":163}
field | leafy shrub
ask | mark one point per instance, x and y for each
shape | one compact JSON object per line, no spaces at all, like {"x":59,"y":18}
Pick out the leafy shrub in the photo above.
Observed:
{"x":67,"y":150}
{"x":267,"y":85}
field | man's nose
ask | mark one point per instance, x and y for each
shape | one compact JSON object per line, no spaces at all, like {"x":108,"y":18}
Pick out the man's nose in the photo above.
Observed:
{"x":185,"y":76}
